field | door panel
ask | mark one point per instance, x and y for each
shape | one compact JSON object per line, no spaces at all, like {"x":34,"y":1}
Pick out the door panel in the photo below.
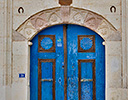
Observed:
{"x":47,"y":46}
{"x":46,"y":79}
{"x":84,"y":44}
{"x":86,"y":75}
{"x":67,"y":62}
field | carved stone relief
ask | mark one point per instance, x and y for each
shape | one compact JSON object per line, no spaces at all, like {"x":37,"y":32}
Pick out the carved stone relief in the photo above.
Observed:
{"x":17,"y":36}
{"x":27,"y":30}
{"x":68,"y":15}
{"x":46,"y":18}
{"x":86,"y":18}
{"x":39,"y":20}
{"x":92,"y":20}
{"x":77,"y":16}
{"x":65,"y":13}
{"x":108,"y":32}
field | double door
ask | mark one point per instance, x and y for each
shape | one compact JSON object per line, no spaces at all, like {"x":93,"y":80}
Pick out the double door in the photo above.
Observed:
{"x":67,"y":62}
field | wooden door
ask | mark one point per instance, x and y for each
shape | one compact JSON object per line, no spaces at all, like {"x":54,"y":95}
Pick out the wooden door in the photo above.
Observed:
{"x":67,"y":62}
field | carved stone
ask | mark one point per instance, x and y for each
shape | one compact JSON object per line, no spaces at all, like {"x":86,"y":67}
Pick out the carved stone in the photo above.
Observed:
{"x":27,"y":30}
{"x":65,"y":13}
{"x":77,"y":16}
{"x":17,"y":36}
{"x":108,"y":32}
{"x":69,"y":15}
{"x":46,"y":18}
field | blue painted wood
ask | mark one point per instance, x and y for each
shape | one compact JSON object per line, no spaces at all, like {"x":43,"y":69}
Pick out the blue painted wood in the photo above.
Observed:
{"x":87,"y":87}
{"x":46,"y":67}
{"x":72,"y":65}
{"x":47,"y":91}
{"x":73,"y":56}
{"x":87,"y":91}
{"x":86,"y":70}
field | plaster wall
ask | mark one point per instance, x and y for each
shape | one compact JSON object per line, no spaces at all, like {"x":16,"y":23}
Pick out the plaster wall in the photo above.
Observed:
{"x":14,"y":56}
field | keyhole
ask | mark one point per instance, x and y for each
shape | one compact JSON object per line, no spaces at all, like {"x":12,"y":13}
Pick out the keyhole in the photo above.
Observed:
{"x":62,"y":64}
{"x":59,"y":80}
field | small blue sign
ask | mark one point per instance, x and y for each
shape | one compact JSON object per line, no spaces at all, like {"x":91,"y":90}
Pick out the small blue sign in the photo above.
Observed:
{"x":21,"y":75}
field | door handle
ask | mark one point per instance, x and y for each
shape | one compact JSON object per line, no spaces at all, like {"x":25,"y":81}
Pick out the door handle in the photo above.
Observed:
{"x":86,"y":80}
{"x":46,"y":80}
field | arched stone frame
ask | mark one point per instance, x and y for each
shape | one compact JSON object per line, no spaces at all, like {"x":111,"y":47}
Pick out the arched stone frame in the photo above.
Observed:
{"x":70,"y":15}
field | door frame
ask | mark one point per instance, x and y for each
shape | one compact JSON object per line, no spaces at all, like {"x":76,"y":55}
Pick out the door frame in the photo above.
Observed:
{"x":69,"y":15}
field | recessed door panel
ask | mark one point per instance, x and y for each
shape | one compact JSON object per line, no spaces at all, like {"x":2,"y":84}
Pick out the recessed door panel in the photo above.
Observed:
{"x":46,"y":79}
{"x":86,"y":75}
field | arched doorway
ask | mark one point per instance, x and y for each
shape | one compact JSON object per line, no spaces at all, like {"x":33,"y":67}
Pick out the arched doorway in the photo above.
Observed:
{"x":67,"y":62}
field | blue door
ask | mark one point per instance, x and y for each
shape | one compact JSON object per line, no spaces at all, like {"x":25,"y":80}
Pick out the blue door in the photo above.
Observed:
{"x":67,"y":62}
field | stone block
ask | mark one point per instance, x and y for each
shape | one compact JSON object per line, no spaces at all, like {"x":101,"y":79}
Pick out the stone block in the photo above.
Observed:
{"x":117,"y":94}
{"x":114,"y":94}
{"x":113,"y":47}
{"x":20,"y":48}
{"x":19,"y":90}
{"x":19,"y":66}
{"x":113,"y":68}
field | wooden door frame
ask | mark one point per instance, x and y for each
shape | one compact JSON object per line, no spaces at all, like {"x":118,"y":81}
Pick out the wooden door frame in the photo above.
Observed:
{"x":40,"y":76}
{"x":94,"y":76}
{"x":65,"y":60}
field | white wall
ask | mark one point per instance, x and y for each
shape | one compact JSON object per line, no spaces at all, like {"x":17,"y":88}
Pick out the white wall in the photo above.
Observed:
{"x":10,"y":20}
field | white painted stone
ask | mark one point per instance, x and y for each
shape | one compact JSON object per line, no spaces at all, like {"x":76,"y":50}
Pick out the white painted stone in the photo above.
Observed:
{"x":102,"y":8}
{"x":113,"y":94}
{"x":2,"y":93}
{"x":20,"y":65}
{"x":127,"y":38}
{"x":124,"y":94}
{"x":30,"y":8}
{"x":117,"y":94}
{"x":8,"y":92}
{"x":19,"y":90}
{"x":113,"y":71}
{"x":1,"y":71}
{"x":113,"y":47}
{"x":20,"y":48}
{"x":2,"y":17}
{"x":1,"y":44}
{"x":115,"y":20}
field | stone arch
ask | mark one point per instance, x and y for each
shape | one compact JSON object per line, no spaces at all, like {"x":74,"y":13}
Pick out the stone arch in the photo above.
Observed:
{"x":68,"y":15}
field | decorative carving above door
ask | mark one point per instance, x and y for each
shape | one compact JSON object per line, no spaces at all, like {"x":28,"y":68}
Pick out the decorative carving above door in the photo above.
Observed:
{"x":69,"y":15}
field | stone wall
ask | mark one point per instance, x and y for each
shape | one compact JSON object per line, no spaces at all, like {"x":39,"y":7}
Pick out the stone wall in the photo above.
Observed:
{"x":14,"y":47}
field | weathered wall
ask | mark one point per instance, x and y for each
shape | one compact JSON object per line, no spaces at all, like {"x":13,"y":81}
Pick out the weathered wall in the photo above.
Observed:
{"x":13,"y":88}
